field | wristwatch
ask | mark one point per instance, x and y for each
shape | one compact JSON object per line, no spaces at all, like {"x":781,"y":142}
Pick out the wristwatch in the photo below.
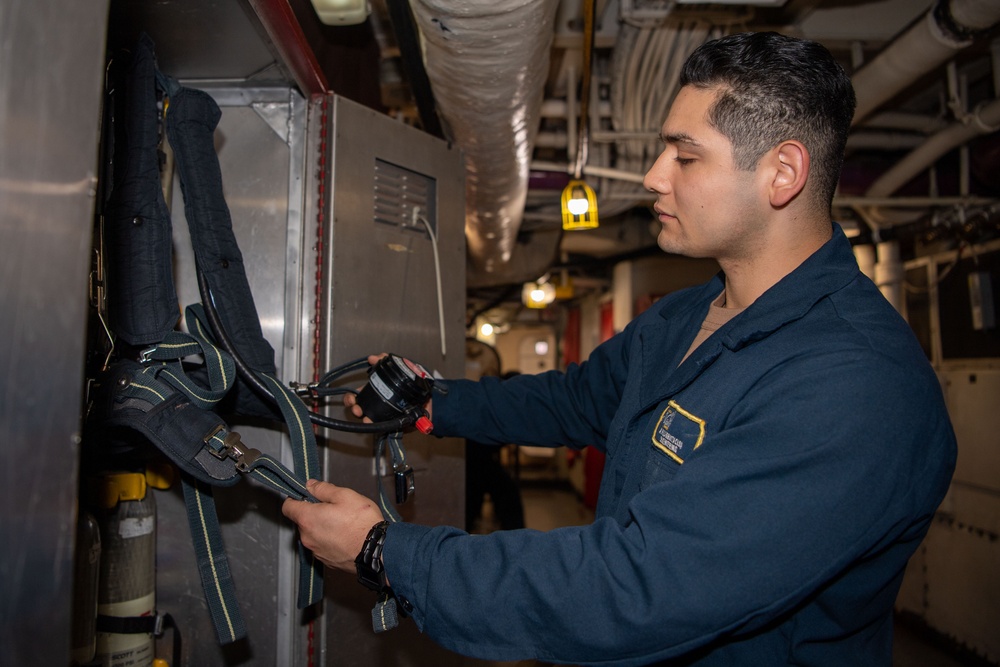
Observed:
{"x":371,"y":574}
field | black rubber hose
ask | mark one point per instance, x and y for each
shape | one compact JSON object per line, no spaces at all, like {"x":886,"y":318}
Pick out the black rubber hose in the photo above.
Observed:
{"x":250,"y":377}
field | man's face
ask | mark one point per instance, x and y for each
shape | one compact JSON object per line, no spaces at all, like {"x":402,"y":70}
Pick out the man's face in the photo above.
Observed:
{"x":705,"y":205}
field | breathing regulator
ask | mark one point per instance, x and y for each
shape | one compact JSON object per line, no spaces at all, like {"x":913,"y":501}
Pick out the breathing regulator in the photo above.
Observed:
{"x":396,"y":388}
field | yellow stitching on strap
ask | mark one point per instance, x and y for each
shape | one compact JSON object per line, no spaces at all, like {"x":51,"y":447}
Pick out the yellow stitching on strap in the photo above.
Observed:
{"x":149,"y":389}
{"x":302,"y":434}
{"x":222,"y":367}
{"x":189,"y":387}
{"x":211,"y":560}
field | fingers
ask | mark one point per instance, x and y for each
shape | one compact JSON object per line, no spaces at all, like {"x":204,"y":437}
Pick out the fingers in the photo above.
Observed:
{"x":322,"y":491}
{"x":351,"y":401}
{"x":333,"y":529}
{"x":292,"y":509}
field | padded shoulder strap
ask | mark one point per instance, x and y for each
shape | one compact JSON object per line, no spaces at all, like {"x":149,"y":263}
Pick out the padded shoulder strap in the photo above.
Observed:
{"x":191,"y":118}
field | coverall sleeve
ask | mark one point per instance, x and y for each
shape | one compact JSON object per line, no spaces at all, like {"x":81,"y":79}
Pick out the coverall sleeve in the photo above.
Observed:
{"x":552,"y":409}
{"x":796,"y":491}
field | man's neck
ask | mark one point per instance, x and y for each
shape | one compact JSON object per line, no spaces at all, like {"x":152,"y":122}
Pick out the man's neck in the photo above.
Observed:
{"x":748,"y":278}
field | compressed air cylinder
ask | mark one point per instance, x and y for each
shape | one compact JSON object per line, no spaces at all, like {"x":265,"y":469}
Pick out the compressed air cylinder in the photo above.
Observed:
{"x":86,"y":575}
{"x":128,"y":568}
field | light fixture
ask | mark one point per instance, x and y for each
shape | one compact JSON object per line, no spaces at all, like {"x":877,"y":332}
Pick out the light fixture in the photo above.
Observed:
{"x":579,"y":206}
{"x":579,"y":203}
{"x":564,"y":284}
{"x":538,"y":294}
{"x":342,"y":12}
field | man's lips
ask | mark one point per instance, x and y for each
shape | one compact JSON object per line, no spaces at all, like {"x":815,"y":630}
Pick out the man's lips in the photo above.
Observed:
{"x":663,"y":216}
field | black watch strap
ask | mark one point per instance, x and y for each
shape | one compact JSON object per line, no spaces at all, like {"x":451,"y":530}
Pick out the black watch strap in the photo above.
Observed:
{"x":371,"y":574}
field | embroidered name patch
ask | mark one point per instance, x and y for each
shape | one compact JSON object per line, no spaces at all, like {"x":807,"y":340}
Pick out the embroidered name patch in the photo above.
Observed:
{"x":678,"y":432}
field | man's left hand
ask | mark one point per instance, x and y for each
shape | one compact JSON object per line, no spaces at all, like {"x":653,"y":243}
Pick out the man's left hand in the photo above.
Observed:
{"x":335,"y":528}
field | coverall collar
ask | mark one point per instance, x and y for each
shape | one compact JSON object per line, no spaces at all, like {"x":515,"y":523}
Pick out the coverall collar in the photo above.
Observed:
{"x":829,"y":269}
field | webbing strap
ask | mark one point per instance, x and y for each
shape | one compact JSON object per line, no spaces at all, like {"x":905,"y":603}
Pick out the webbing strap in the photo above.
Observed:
{"x":270,"y":472}
{"x":400,"y":471}
{"x":221,"y":374}
{"x":177,"y":345}
{"x":385,"y":614}
{"x":213,"y":565}
{"x":306,"y":462}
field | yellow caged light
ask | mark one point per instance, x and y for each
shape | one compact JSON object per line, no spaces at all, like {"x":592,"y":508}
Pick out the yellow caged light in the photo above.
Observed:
{"x":579,"y":206}
{"x":538,"y":294}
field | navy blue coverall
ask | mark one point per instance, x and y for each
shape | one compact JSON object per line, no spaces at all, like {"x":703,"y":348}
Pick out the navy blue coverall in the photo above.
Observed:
{"x":759,"y":501}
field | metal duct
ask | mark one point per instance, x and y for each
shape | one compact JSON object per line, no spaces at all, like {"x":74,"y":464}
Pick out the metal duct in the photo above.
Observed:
{"x":930,"y":42}
{"x":487,"y":63}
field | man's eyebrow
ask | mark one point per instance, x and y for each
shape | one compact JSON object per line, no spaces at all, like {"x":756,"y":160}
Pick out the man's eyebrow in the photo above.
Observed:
{"x":679,"y":138}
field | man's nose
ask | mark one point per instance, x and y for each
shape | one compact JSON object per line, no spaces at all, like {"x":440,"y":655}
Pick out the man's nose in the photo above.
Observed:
{"x":656,"y":178}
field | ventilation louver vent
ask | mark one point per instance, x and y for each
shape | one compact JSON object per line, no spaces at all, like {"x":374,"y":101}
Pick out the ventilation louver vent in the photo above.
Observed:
{"x":400,"y":191}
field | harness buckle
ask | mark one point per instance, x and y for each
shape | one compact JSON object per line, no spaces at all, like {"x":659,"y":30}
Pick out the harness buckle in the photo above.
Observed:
{"x":305,"y":390}
{"x":147,"y":355}
{"x":233,"y":447}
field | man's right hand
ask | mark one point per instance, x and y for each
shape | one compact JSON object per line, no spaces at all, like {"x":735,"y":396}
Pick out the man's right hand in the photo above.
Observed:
{"x":351,"y":400}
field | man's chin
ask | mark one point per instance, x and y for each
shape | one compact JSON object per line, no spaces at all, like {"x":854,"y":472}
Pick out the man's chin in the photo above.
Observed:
{"x":669,"y":244}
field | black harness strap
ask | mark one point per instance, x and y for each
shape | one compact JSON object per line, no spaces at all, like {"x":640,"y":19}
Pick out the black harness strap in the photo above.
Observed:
{"x":191,"y":118}
{"x":142,"y":299}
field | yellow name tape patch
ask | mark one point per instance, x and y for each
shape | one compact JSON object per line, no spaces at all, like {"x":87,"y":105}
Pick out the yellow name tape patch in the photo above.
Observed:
{"x":678,"y":432}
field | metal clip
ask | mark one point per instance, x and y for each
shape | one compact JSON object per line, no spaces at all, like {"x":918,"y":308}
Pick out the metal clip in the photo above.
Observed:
{"x":305,"y":390}
{"x":219,"y":453}
{"x":405,"y":483}
{"x":233,"y":447}
{"x":158,"y":625}
{"x":244,"y":456}
{"x":147,"y":355}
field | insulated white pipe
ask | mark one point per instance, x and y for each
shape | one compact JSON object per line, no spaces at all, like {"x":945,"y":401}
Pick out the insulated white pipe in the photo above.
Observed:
{"x":984,"y":120}
{"x":865,"y":254}
{"x":923,"y":47}
{"x":896,"y":120}
{"x":487,"y":63}
{"x":562,"y":108}
{"x":889,"y":274}
{"x":591,"y":170}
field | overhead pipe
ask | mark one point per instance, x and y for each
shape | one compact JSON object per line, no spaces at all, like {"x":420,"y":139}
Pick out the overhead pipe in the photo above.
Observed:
{"x":487,"y":63}
{"x":984,"y":120}
{"x":897,"y":120}
{"x":931,"y":41}
{"x":408,"y":42}
{"x":562,"y":108}
{"x":889,"y":274}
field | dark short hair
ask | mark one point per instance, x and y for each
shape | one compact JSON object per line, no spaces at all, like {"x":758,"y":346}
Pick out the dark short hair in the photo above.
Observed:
{"x":774,"y":88}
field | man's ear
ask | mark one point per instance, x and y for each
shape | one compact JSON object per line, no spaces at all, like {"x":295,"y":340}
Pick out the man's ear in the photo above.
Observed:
{"x":790,"y":162}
